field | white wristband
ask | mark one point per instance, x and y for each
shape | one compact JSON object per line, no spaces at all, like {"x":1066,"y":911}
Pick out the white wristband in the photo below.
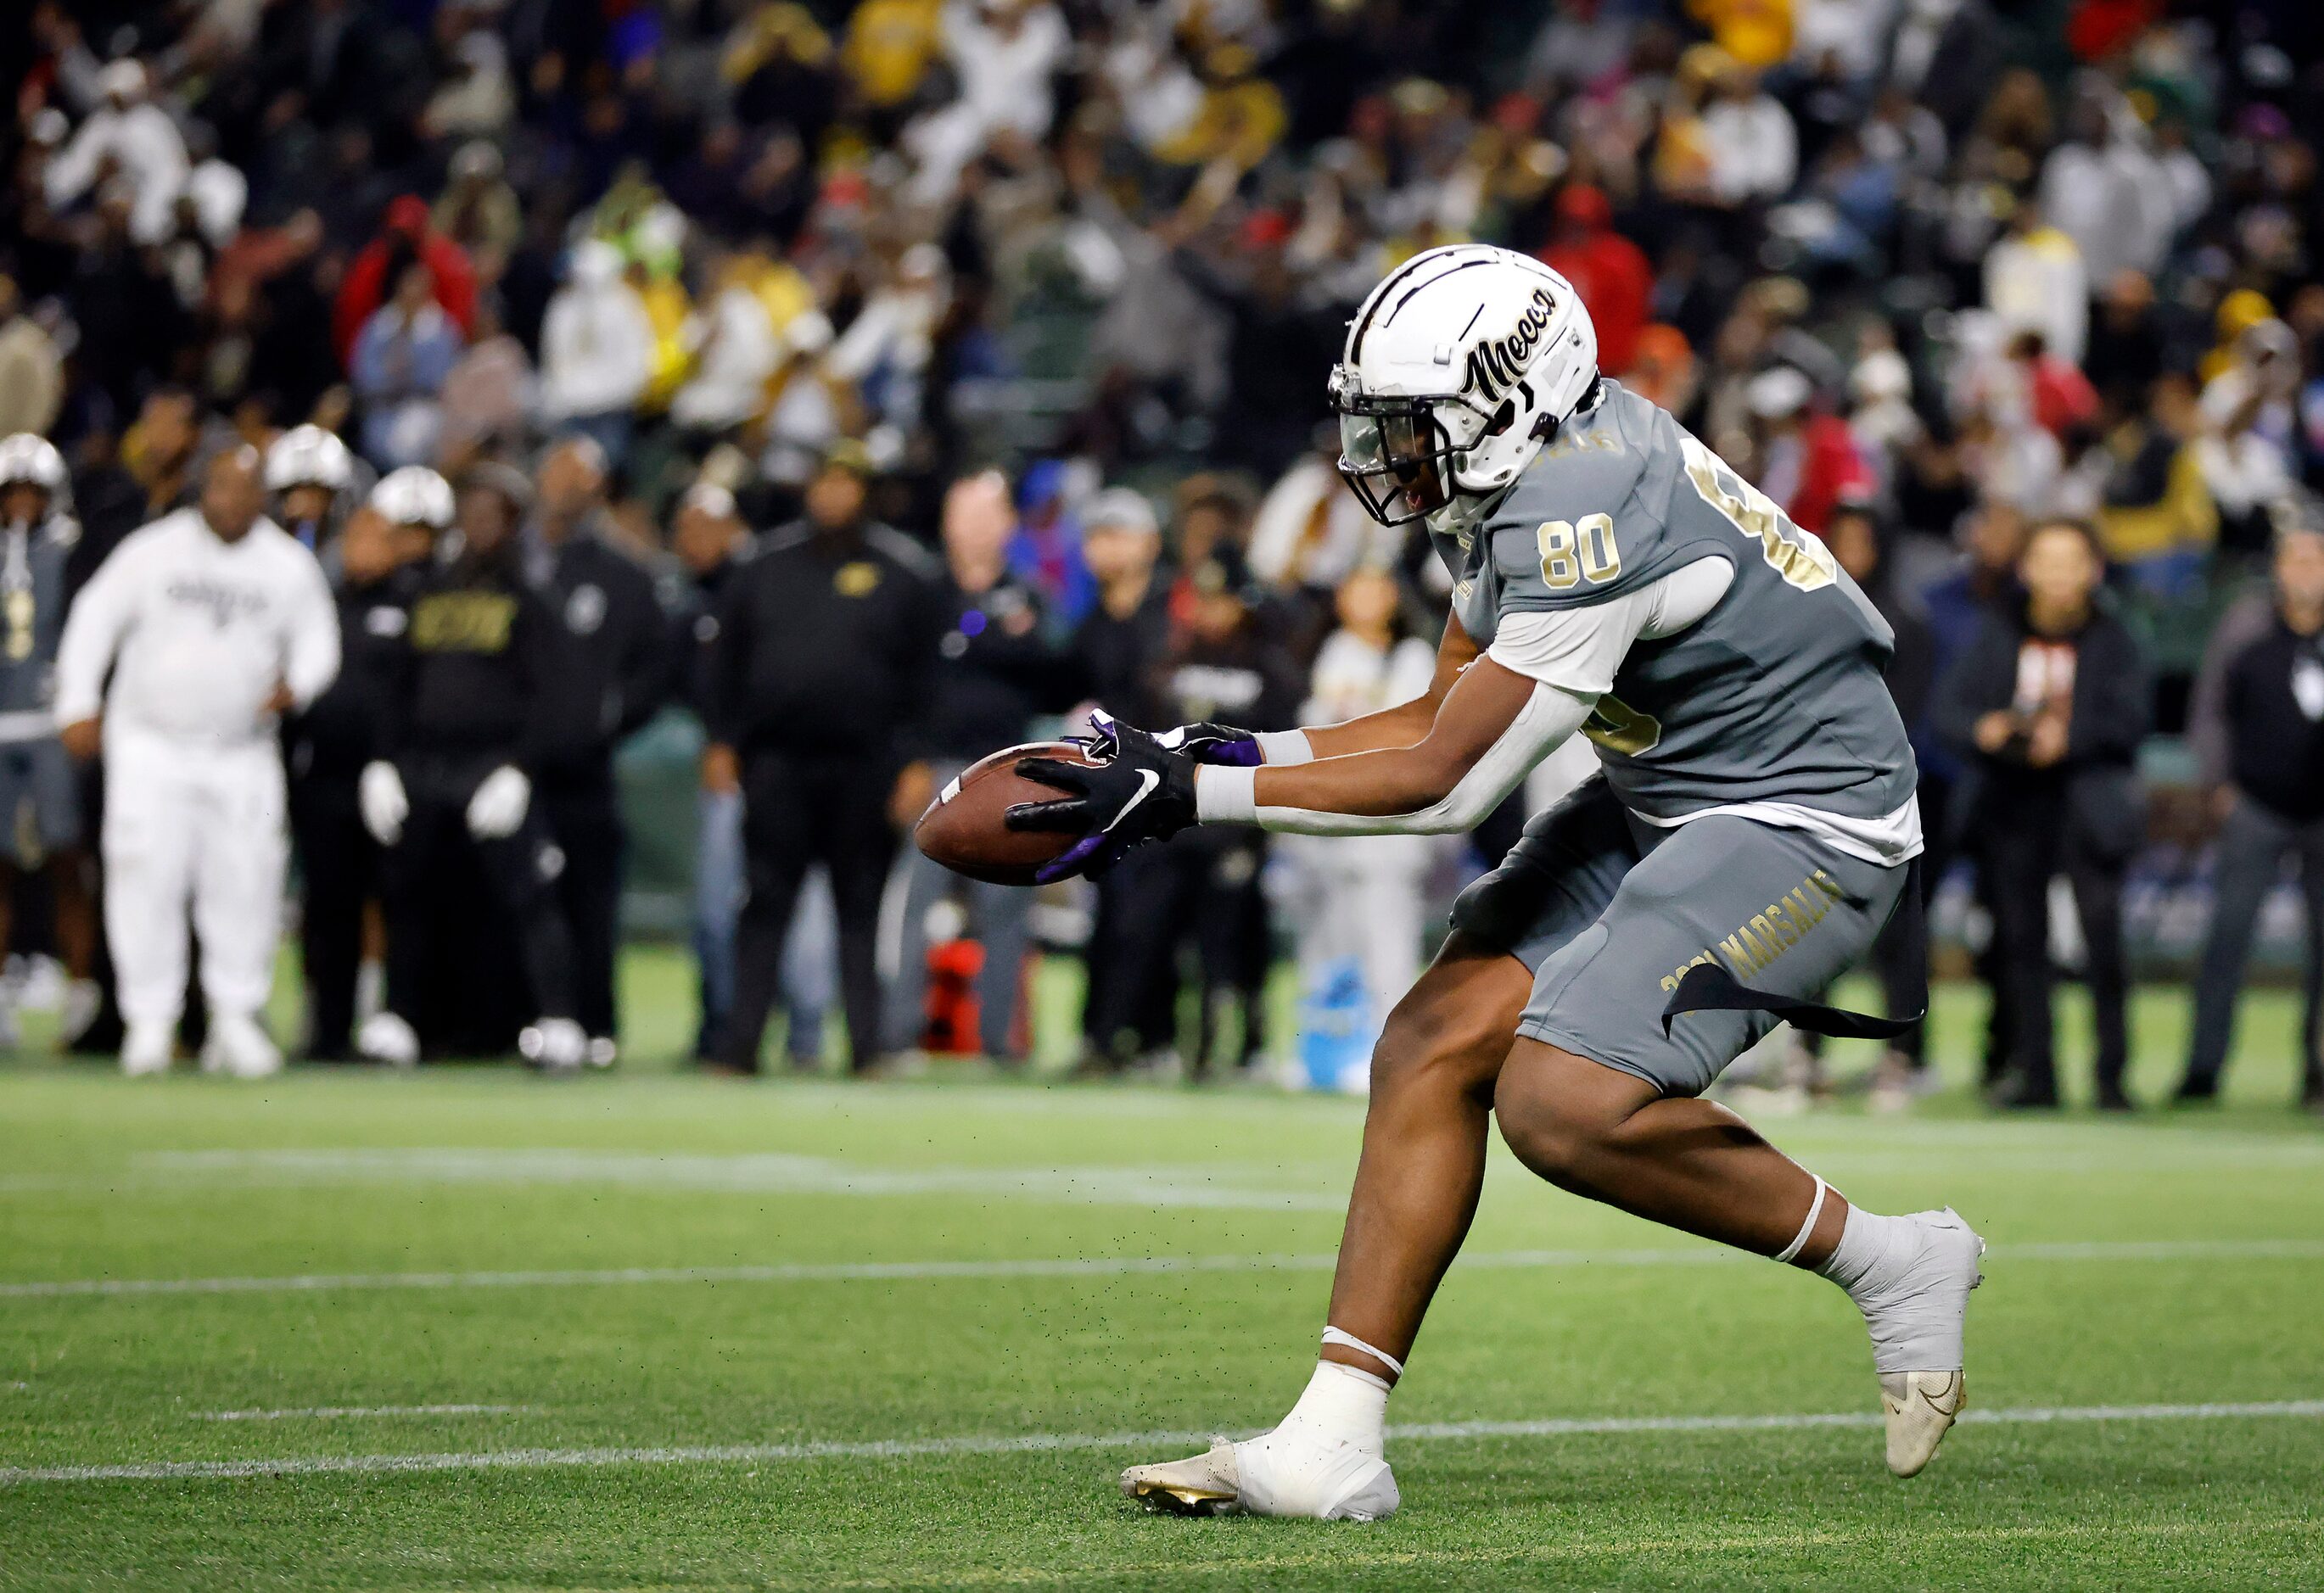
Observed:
{"x":1225,"y":795}
{"x":1283,"y":748}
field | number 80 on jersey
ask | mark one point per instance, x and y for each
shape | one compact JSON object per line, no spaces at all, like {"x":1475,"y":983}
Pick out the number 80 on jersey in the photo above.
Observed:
{"x":1572,"y":553}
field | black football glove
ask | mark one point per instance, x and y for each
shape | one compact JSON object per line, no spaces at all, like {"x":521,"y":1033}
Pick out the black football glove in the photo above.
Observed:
{"x":1143,"y":792}
{"x":1204,"y":743}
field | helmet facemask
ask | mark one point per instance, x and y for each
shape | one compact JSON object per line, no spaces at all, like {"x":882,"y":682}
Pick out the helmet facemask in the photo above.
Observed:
{"x":1395,"y":454}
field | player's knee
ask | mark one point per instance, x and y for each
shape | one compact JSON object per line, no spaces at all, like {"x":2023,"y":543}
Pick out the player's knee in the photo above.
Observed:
{"x":1422,"y":1048}
{"x":1551,"y":1118}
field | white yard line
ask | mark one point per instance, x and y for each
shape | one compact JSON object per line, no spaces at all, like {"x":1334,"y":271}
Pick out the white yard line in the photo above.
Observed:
{"x":527,"y":1460}
{"x":1083,"y":1266}
{"x":334,"y":1413}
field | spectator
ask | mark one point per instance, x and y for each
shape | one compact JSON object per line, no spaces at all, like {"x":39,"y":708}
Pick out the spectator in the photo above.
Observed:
{"x":32,"y":370}
{"x":1044,"y":548}
{"x":2259,"y":729}
{"x":377,"y":270}
{"x":1808,"y":460}
{"x":132,"y":139}
{"x":711,"y":541}
{"x":1612,"y":274}
{"x":2050,"y":703}
{"x":998,"y":669}
{"x":211,"y":623}
{"x":1752,"y":146}
{"x":827,"y":641}
{"x":2035,"y":281}
{"x":619,"y":672}
{"x":328,"y":747}
{"x":1358,"y":906}
{"x":489,"y":394}
{"x":402,"y":358}
{"x":470,"y":697}
{"x":1310,"y":533}
{"x":1117,"y":656}
{"x":596,"y":351}
{"x":1205,"y":886}
{"x":735,"y":355}
{"x":36,"y":777}
{"x":2107,"y":192}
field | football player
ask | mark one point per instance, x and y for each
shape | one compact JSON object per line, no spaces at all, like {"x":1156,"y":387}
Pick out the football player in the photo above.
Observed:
{"x":1753,"y":829}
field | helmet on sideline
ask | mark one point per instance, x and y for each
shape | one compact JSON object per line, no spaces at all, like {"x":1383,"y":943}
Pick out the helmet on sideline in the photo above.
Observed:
{"x":309,"y":457}
{"x":1460,"y":366}
{"x":29,"y":459}
{"x":414,"y":496}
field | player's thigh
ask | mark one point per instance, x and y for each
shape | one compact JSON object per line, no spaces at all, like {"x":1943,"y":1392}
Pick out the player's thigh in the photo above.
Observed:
{"x":1779,"y":910}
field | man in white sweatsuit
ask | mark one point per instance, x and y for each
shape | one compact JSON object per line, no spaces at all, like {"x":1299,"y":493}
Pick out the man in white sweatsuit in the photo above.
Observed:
{"x":214,"y":622}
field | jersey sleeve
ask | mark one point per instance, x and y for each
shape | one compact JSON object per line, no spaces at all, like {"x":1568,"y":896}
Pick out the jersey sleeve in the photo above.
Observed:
{"x":1594,"y":517}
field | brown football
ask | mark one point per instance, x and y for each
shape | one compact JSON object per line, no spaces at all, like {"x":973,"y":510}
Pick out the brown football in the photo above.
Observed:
{"x":965,"y":828}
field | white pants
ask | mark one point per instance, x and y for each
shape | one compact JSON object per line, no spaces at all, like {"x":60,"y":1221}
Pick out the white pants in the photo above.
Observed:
{"x":191,"y":825}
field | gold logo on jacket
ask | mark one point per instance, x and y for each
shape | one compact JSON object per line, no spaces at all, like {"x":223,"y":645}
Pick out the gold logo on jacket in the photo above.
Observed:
{"x":856,"y":579}
{"x":463,"y":621}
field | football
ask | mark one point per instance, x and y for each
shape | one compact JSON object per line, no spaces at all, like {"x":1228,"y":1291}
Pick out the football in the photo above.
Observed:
{"x":966,"y":829}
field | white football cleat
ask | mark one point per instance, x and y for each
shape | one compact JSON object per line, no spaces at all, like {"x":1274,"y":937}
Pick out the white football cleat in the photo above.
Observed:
{"x":555,"y":1045}
{"x":148,"y":1048}
{"x":1920,"y":1406}
{"x":385,"y":1037}
{"x":240,"y":1049}
{"x":1293,"y":1471}
{"x":1917,"y":1325}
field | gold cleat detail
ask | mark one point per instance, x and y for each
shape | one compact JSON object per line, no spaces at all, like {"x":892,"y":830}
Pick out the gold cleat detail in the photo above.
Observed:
{"x":1207,"y":1484}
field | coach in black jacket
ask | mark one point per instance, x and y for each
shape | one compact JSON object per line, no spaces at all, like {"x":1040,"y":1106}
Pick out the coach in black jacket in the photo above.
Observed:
{"x":2049,"y":706}
{"x":2258,"y":726}
{"x":623,"y":668}
{"x":474,"y":693}
{"x":827,"y":639}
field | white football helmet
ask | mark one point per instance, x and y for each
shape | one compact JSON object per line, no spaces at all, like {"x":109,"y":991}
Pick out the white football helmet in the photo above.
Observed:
{"x":28,"y":459}
{"x":1460,"y":366}
{"x":414,"y":496}
{"x":309,"y":457}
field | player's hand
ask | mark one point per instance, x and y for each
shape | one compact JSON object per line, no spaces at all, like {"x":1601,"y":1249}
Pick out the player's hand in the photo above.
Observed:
{"x":501,"y":800}
{"x":1204,"y":742}
{"x":1143,"y":792}
{"x":83,"y":738}
{"x":380,"y":798}
{"x":1994,"y":730}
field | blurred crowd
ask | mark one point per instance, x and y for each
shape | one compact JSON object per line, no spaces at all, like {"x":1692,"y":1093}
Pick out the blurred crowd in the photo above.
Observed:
{"x":882,"y":382}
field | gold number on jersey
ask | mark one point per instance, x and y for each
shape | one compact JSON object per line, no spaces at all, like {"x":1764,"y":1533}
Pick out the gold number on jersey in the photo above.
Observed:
{"x":1569,"y":552}
{"x":1800,"y":558}
{"x":1618,"y":727}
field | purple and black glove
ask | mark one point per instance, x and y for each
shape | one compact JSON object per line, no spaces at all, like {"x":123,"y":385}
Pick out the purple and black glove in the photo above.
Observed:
{"x":1204,"y":742}
{"x":1141,"y":791}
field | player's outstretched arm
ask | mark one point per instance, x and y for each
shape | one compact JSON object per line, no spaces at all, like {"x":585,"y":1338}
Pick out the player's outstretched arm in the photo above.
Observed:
{"x":1400,"y":727}
{"x":1492,"y":725}
{"x":1406,"y":722}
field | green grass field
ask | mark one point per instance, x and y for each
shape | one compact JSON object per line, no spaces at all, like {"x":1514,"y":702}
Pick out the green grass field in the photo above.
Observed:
{"x":477,"y":1330}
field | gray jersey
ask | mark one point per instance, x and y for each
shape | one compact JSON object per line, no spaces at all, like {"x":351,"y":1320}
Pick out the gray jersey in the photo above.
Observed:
{"x":31,"y":615}
{"x":1775,"y":696}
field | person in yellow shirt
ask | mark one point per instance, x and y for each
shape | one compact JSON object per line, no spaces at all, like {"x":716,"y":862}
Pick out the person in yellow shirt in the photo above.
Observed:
{"x":889,"y":47}
{"x":1756,"y":32}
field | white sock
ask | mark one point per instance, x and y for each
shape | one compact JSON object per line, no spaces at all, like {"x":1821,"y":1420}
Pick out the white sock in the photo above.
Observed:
{"x":1871,"y":1251}
{"x":1344,"y":1404}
